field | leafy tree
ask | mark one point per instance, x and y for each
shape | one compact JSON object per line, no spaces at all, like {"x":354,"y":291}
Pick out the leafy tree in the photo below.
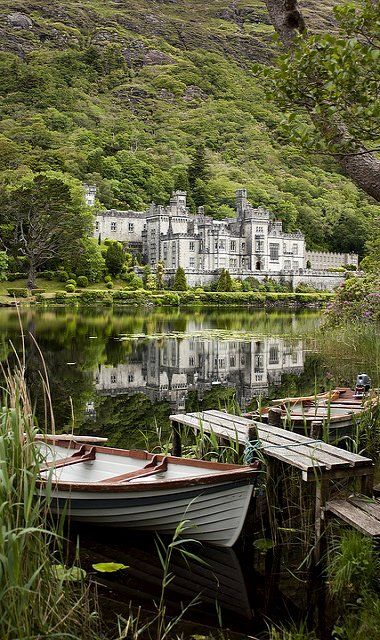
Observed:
{"x":180,"y":283}
{"x":146,"y":273}
{"x":43,"y":218}
{"x":3,"y":265}
{"x":151,"y":283}
{"x":132,"y":281}
{"x":225,"y":281}
{"x":114,"y":257}
{"x":160,"y":272}
{"x":87,"y":260}
{"x":336,"y":80}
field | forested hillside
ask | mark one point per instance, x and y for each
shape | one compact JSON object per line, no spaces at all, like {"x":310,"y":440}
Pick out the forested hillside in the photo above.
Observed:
{"x":143,"y":97}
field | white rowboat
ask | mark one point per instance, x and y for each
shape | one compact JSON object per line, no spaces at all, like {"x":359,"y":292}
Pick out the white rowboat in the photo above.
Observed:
{"x":142,"y":491}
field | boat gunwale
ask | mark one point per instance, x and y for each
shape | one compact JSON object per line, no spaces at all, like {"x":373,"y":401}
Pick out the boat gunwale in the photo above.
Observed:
{"x":227,"y":473}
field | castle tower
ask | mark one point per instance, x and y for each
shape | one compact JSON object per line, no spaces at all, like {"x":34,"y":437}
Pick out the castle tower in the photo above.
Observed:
{"x":241,"y":202}
{"x":90,"y":194}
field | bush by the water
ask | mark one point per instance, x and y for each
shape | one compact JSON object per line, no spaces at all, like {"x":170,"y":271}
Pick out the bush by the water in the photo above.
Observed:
{"x":357,"y":299}
{"x":18,"y":292}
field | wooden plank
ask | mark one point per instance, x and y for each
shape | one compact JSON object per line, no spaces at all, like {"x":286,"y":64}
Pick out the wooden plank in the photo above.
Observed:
{"x":291,"y":435}
{"x":354,"y":516}
{"x":284,"y":454}
{"x":368,"y":505}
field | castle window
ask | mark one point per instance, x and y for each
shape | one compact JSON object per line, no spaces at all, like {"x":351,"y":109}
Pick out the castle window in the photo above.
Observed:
{"x":259,"y":246}
{"x":191,"y":361}
{"x":243,"y":246}
{"x":131,"y":377}
{"x":165,"y":250}
{"x":273,"y":251}
{"x":131,"y":227}
{"x":259,"y":230}
{"x":295,"y":249}
{"x":113,"y":226}
{"x":295,"y":264}
{"x":233,"y":245}
{"x":192,"y":262}
{"x":96,"y":226}
{"x":273,"y":355}
{"x":192,"y":246}
{"x":232,"y":361}
{"x":287,"y":264}
{"x":113,"y":378}
{"x":216,"y":245}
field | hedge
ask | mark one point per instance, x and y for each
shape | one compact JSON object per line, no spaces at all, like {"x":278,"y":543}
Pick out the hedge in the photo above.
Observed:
{"x":18,"y":292}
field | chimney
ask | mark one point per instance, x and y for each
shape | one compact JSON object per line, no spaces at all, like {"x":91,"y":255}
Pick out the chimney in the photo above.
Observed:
{"x":241,"y":202}
{"x":178,"y":200}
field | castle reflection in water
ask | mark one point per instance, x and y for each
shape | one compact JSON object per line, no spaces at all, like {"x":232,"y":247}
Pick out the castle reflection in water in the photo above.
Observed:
{"x":170,"y":368}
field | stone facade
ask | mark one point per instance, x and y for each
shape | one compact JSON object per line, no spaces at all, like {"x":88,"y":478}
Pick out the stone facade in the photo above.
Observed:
{"x":251,"y":244}
{"x":323,"y":260}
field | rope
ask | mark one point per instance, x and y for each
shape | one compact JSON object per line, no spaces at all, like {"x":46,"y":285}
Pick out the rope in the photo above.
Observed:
{"x":253,"y":446}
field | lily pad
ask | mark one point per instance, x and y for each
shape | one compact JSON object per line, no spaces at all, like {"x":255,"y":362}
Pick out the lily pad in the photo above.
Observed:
{"x":109,"y":567}
{"x":263,"y":544}
{"x":70,"y":574}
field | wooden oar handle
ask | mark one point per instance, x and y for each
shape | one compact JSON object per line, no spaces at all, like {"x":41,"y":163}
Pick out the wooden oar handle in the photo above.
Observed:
{"x":67,"y":437}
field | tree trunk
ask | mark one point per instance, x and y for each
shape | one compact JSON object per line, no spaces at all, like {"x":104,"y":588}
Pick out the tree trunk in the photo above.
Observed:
{"x":361,"y":166}
{"x":31,"y":282}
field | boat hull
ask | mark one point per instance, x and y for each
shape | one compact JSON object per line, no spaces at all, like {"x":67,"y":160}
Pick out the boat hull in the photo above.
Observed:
{"x":214,"y":514}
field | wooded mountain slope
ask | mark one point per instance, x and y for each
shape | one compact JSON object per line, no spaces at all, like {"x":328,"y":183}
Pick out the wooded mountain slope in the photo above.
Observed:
{"x":124,"y":94}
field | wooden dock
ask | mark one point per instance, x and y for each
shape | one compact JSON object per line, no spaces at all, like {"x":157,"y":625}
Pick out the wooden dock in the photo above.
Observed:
{"x":314,"y":458}
{"x":360,"y":512}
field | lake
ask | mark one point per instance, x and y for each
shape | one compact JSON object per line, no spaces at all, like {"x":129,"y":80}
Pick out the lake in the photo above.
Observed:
{"x":121,"y":372}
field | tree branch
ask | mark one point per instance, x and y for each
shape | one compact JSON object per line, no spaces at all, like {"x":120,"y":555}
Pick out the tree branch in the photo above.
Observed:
{"x":362,"y":167}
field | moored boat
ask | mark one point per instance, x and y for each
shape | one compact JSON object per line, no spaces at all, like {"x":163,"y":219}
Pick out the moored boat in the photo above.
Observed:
{"x":138,"y":490}
{"x":338,"y":408}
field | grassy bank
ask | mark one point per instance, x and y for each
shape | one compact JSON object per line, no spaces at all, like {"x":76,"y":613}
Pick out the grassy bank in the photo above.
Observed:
{"x":49,"y":293}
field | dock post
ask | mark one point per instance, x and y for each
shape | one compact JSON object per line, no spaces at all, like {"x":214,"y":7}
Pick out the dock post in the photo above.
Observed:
{"x":274,"y":417}
{"x":176,"y":440}
{"x":366,"y":485}
{"x":316,"y":429}
{"x":321,"y":494}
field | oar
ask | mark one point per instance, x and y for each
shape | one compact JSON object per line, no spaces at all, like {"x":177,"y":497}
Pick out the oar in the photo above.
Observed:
{"x":68,"y":437}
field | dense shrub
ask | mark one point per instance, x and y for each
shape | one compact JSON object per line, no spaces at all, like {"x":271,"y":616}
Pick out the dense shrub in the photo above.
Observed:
{"x":108,"y":278}
{"x":62,"y":276}
{"x":60,"y":297}
{"x":18,"y":292}
{"x":109,"y":284}
{"x":3,"y":265}
{"x":17,"y":275}
{"x":47,"y":275}
{"x":92,"y":296}
{"x":38,"y":290}
{"x":70,"y":288}
{"x":82,"y":282}
{"x":71,"y":281}
{"x":356,"y":299}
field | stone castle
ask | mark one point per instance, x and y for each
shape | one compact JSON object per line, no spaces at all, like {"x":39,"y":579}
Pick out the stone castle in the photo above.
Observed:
{"x":251,"y":244}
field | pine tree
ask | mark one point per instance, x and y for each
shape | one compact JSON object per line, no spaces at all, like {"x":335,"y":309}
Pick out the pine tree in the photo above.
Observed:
{"x":225,"y":281}
{"x":180,"y":283}
{"x":198,"y":176}
{"x":160,"y":271}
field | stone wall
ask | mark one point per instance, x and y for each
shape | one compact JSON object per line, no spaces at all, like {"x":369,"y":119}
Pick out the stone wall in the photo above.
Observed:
{"x":321,"y":280}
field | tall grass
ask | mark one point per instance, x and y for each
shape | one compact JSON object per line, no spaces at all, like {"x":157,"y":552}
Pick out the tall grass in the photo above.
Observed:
{"x":36,"y":599}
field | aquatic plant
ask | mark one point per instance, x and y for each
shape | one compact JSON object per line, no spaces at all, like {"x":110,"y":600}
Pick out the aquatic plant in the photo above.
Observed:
{"x":38,"y":597}
{"x":353,"y":567}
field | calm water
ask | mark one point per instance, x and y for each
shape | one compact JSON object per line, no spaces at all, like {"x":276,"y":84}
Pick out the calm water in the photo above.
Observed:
{"x":120,"y":373}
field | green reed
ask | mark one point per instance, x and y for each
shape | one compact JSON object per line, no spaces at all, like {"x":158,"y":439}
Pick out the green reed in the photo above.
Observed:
{"x":36,"y":599}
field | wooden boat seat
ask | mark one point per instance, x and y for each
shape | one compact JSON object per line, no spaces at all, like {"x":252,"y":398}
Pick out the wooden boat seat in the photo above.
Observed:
{"x":150,"y":469}
{"x":81,"y":455}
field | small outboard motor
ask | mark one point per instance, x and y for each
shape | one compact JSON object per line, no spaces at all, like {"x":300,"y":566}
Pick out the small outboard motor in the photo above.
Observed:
{"x":363,"y":385}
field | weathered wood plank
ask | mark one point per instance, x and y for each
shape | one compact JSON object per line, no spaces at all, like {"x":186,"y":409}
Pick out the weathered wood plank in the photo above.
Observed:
{"x":354,"y":516}
{"x":296,"y":437}
{"x":368,"y":505}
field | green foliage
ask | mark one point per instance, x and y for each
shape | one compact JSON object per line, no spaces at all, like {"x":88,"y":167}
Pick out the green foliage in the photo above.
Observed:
{"x":114,"y":257}
{"x":357,"y":299}
{"x":160,"y":272}
{"x":353,"y":567}
{"x":132,"y":281}
{"x":43,"y":217}
{"x":109,"y":284}
{"x":18,"y":292}
{"x":82,"y":282}
{"x":180,"y":283}
{"x":88,"y":260}
{"x":224,"y":281}
{"x":330,"y":75}
{"x":3,"y":265}
{"x":70,"y":288}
